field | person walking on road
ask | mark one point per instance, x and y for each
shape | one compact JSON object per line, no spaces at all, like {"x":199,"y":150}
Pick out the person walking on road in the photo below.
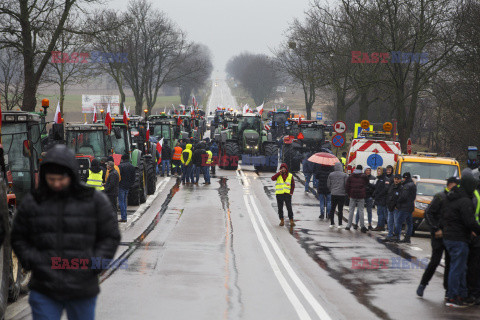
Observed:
{"x":60,"y":223}
{"x":207,"y":164}
{"x":176,"y":160}
{"x":307,"y":168}
{"x":369,"y":199}
{"x":380,"y":196}
{"x":112,"y":185}
{"x":473,"y":264}
{"x":405,"y":206}
{"x":284,"y":187}
{"x":127,"y":172}
{"x":186,"y":160}
{"x":392,"y":198}
{"x":95,"y":175}
{"x":458,"y":225}
{"x":322,"y":190}
{"x":336,"y":183}
{"x":356,"y":188}
{"x":433,"y":216}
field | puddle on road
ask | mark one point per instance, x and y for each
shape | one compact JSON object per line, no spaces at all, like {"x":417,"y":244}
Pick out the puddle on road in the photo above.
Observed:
{"x":135,"y":244}
{"x":233,"y":298}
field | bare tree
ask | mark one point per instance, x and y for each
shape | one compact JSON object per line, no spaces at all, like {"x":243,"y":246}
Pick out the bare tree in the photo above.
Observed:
{"x":24,"y":25}
{"x":194,"y":72}
{"x":11,"y":80}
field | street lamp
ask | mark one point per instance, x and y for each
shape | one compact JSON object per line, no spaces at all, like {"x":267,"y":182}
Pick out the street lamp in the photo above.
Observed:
{"x":101,"y":112}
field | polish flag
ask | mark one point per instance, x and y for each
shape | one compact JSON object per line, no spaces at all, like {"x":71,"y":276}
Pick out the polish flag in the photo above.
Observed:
{"x":159,"y":150}
{"x":58,"y":115}
{"x":108,"y":119}
{"x":245,"y":108}
{"x":260,"y":109}
{"x":125,"y":115}
{"x":148,"y":131}
{"x":94,"y":114}
{"x":194,"y":102}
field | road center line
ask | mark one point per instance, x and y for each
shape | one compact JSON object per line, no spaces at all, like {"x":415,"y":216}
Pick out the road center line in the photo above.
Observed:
{"x":297,"y":305}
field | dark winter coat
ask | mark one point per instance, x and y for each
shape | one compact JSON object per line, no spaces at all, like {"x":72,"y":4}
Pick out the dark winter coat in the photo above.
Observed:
{"x":381,"y":191}
{"x":433,"y":214}
{"x":127,"y":172}
{"x":370,"y":189}
{"x":322,"y":176}
{"x":112,"y":183}
{"x":357,"y":185}
{"x":214,"y":148}
{"x":74,"y":224}
{"x":392,"y":196}
{"x":166,"y":152}
{"x":337,"y":181}
{"x":406,"y":200}
{"x":197,"y":155}
{"x":307,"y":166}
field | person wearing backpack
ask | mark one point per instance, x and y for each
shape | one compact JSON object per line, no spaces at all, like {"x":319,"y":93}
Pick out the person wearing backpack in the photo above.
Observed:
{"x":433,"y":216}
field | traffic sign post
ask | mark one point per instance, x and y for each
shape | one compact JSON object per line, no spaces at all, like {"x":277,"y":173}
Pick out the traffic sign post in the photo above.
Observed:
{"x":319,"y":116}
{"x":340,"y":127}
{"x":338,"y":141}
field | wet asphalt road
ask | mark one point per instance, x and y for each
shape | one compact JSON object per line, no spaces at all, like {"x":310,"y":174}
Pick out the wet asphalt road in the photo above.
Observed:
{"x":217,"y":252}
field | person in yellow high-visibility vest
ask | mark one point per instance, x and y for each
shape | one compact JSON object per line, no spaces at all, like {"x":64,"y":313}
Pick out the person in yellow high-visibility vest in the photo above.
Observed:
{"x":95,"y":175}
{"x":284,"y":187}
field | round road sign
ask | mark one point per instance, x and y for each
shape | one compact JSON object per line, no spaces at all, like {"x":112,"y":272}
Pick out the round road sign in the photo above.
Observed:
{"x":374,"y":161}
{"x":365,"y":124}
{"x":338,"y":140}
{"x":340,"y":127}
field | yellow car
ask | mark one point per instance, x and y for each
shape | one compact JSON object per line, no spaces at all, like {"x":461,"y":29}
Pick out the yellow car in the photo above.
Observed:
{"x":428,"y":166}
{"x":426,"y":190}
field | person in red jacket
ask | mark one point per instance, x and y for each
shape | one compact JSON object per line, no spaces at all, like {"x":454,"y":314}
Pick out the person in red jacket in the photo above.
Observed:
{"x":284,"y":187}
{"x":356,"y":188}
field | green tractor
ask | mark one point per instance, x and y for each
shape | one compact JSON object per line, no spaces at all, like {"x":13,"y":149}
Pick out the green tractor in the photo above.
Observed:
{"x":162,"y":126}
{"x":19,"y":162}
{"x":303,"y":137}
{"x":90,"y":141}
{"x":246,"y":139}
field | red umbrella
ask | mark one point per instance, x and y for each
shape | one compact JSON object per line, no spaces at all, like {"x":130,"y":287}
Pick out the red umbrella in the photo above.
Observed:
{"x":324,"y":158}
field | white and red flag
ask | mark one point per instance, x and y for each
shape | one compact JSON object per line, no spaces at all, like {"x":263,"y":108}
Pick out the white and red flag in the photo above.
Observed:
{"x":94,"y":114}
{"x":260,"y":109}
{"x":58,"y":115}
{"x":108,"y":119}
{"x":148,"y":131}
{"x":194,"y":102}
{"x":159,"y":150}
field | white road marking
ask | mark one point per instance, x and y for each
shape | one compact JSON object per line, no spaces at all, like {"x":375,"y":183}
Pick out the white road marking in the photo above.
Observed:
{"x":319,"y":310}
{"x":299,"y":308}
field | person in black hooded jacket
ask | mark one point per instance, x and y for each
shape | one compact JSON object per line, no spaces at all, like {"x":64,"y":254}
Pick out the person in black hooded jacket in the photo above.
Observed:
{"x":60,"y":229}
{"x":458,"y":225}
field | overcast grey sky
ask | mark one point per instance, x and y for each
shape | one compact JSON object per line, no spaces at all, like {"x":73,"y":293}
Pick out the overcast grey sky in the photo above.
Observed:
{"x":229,"y":27}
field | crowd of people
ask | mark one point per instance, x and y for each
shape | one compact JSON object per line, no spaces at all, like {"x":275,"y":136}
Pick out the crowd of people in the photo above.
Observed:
{"x":453,"y":217}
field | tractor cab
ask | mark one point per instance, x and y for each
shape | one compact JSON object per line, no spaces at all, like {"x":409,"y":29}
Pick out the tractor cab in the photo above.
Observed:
{"x":21,"y":140}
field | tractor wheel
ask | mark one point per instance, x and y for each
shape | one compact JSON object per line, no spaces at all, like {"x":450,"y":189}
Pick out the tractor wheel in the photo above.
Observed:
{"x":143,"y":181}
{"x":150,"y":175}
{"x":292,"y":157}
{"x":271,"y":150}
{"x":232,"y":150}
{"x":134,"y":192}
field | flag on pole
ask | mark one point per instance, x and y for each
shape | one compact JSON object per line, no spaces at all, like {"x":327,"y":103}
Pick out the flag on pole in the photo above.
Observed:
{"x":194,"y":102}
{"x":288,"y":108}
{"x":58,"y":115}
{"x":245,"y":108}
{"x":165,"y":110}
{"x":159,"y":150}
{"x":94,"y":114}
{"x":108,"y":119}
{"x":125,"y":116}
{"x":148,"y":131}
{"x":260,"y":109}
